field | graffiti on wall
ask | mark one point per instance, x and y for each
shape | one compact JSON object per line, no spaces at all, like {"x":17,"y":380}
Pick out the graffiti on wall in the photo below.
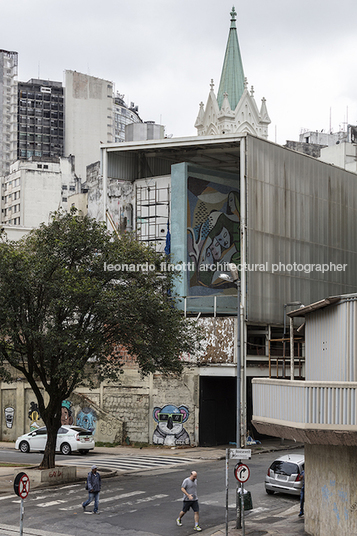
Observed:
{"x":87,"y":418}
{"x":213,"y":229}
{"x":66,"y":412}
{"x":34,"y":416}
{"x":9,"y":416}
{"x":170,"y":430}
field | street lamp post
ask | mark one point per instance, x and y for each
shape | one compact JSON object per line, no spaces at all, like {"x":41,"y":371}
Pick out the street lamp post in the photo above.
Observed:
{"x":235,"y":278}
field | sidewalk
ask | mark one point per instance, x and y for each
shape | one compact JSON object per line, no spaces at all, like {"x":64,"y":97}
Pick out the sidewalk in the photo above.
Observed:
{"x":286,"y":523}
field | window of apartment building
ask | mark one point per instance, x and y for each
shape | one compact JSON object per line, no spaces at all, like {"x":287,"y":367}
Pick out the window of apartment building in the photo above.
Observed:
{"x":72,"y":188}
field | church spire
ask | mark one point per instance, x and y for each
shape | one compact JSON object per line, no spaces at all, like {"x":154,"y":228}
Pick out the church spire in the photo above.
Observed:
{"x":232,"y":77}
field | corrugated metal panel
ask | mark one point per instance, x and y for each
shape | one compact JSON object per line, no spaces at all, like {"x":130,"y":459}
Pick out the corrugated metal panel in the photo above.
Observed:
{"x":331,"y":345}
{"x":298,"y":210}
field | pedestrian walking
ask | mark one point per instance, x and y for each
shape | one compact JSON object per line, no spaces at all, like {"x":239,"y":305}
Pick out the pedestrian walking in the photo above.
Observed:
{"x":302,"y":495}
{"x":94,"y":483}
{"x":190,"y":499}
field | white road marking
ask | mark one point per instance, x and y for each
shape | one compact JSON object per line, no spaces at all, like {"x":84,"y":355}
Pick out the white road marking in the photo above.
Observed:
{"x":51,"y":503}
{"x":122,"y":496}
{"x":148,"y":499}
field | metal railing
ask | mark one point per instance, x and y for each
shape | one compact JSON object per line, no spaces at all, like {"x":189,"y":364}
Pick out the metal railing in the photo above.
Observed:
{"x":317,"y":403}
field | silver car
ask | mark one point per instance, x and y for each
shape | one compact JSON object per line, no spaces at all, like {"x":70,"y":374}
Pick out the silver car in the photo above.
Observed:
{"x":285,"y":474}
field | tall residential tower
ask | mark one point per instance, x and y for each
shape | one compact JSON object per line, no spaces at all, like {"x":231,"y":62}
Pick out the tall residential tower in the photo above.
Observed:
{"x":8,"y":109}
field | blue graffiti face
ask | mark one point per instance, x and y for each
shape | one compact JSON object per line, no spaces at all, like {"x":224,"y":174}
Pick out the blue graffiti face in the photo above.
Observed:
{"x":87,"y":420}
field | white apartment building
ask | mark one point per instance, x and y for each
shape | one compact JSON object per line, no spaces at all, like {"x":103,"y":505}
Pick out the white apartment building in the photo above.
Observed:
{"x":8,"y":109}
{"x":34,"y":189}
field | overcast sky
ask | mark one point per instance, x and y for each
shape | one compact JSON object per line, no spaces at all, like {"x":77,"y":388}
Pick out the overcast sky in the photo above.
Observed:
{"x":162,"y":54}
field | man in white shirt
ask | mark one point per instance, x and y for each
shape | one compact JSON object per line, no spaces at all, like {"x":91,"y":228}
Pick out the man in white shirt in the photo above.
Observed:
{"x":190,"y":500}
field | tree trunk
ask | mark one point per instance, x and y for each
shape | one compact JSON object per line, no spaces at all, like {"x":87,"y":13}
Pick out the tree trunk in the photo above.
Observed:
{"x":52,"y":420}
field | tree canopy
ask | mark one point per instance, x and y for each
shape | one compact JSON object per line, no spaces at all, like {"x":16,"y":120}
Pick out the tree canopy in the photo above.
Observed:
{"x":71,"y":294}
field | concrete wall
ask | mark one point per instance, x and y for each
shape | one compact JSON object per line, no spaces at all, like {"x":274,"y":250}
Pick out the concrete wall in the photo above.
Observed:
{"x":131,"y":408}
{"x":331,"y":490}
{"x":88,"y":117}
{"x":113,"y":413}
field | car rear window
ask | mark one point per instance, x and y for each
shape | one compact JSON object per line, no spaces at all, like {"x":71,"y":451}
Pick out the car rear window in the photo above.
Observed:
{"x":81,"y":431}
{"x":284,"y":468}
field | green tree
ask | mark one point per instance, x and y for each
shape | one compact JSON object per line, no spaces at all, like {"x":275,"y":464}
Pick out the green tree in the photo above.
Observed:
{"x":64,"y":311}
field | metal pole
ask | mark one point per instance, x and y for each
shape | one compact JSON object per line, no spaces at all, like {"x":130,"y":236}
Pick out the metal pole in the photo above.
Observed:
{"x":242,"y":509}
{"x":238,"y":439}
{"x":21,"y":517}
{"x":239,"y":442}
{"x":227,"y":466}
{"x":292,"y":349}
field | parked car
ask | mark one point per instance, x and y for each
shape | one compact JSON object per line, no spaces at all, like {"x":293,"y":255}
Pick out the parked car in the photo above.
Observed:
{"x":285,"y":474}
{"x":69,"y":439}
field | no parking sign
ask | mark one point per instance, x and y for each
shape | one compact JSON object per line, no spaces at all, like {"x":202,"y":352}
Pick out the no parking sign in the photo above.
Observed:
{"x":22,"y":488}
{"x":22,"y":485}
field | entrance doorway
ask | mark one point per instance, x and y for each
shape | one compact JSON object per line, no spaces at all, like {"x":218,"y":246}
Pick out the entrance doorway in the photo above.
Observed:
{"x":217,"y":414}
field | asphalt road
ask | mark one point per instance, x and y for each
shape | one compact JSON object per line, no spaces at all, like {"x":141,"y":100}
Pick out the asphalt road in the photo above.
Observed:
{"x":142,"y":503}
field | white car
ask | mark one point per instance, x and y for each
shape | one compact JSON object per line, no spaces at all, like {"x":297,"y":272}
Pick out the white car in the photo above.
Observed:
{"x":69,"y":439}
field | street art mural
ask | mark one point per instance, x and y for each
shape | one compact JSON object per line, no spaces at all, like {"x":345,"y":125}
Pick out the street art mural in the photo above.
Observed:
{"x":9,"y":416}
{"x":66,"y":412}
{"x":34,"y":416}
{"x":213,"y":232}
{"x":170,"y":430}
{"x":87,"y":418}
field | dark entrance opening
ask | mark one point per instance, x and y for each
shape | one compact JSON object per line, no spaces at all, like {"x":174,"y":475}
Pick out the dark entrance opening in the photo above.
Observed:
{"x":217,"y":410}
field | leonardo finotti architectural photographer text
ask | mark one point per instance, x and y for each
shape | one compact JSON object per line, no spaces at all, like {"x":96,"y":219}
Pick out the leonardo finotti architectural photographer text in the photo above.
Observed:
{"x":224,"y":267}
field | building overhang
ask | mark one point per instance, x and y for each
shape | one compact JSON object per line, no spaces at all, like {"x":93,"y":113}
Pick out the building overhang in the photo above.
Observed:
{"x":305,"y":433}
{"x":214,"y":152}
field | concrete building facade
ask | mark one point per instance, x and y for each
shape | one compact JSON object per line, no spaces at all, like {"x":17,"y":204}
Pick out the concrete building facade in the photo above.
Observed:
{"x":8,"y":109}
{"x":89,"y":117}
{"x":35,"y":188}
{"x":288,"y":220}
{"x":321,"y":412}
{"x":41,"y":125}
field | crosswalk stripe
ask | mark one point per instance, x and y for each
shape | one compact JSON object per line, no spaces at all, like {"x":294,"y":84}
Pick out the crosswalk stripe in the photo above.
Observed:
{"x":122,"y":496}
{"x":50,"y":503}
{"x":131,"y":463}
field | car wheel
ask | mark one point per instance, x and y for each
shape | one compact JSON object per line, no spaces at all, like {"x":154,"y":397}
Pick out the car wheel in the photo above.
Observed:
{"x":24,"y":446}
{"x":269,"y":491}
{"x":66,"y":449}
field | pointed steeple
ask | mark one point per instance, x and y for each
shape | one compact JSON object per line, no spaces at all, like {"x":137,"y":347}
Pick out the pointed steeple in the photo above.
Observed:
{"x":232,"y":77}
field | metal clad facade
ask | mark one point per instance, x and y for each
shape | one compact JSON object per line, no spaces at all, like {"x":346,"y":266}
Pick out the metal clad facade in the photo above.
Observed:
{"x":331,"y":343}
{"x":298,"y":210}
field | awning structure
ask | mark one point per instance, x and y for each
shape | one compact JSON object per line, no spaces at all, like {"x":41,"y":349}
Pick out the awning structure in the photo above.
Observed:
{"x":303,"y":311}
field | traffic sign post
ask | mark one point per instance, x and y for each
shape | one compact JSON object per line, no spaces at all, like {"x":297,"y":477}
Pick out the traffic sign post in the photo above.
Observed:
{"x":242,"y":474}
{"x":22,"y":488}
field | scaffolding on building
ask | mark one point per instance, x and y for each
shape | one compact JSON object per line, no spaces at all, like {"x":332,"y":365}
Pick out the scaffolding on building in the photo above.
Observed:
{"x":153,"y":214}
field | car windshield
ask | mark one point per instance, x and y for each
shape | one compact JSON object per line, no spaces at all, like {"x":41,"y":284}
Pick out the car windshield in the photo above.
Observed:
{"x":284,"y":468}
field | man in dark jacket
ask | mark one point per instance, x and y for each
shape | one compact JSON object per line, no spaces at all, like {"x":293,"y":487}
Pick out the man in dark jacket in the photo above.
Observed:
{"x":93,"y":486}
